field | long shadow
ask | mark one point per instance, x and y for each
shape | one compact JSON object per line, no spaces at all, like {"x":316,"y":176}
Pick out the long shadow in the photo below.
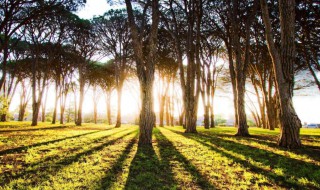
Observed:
{"x":148,"y":172}
{"x":35,"y":129}
{"x":169,"y":153}
{"x":292,"y":167}
{"x":312,"y":152}
{"x":309,"y":150}
{"x":145,"y":171}
{"x":22,"y":148}
{"x":60,"y":163}
{"x":116,"y":169}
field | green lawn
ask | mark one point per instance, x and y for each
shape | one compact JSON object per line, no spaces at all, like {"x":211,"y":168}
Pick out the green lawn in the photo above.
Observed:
{"x":104,"y":157}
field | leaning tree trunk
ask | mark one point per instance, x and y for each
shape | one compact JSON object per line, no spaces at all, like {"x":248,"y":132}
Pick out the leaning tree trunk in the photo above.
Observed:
{"x":284,"y":72}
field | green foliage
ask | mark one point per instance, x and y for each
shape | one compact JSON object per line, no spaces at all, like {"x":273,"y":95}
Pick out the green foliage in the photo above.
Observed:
{"x":219,"y":120}
{"x":3,"y":105}
{"x":104,"y":157}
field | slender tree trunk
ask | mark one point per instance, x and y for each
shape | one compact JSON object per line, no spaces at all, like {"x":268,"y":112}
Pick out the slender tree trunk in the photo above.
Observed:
{"x":283,"y":68}
{"x":234,"y":89}
{"x":79,"y":118}
{"x":54,"y":116}
{"x":108,"y":102}
{"x":22,"y":110}
{"x":119,"y":92}
{"x":161,"y":111}
{"x":75,"y":108}
{"x":242,"y":118}
{"x":62,"y":108}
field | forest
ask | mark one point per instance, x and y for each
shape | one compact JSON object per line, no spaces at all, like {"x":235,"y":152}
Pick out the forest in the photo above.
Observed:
{"x":178,"y":54}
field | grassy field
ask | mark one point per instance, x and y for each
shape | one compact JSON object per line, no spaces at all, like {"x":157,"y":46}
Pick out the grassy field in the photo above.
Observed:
{"x":103,"y":157}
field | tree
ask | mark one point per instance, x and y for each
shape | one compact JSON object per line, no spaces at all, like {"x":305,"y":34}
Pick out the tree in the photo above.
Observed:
{"x":145,"y":46}
{"x":18,"y":13}
{"x":113,"y":31}
{"x":283,"y":63}
{"x":183,"y":19}
{"x":84,"y":42}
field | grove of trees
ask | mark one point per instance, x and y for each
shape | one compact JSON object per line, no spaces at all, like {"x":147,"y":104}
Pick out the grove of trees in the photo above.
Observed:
{"x":174,"y":43}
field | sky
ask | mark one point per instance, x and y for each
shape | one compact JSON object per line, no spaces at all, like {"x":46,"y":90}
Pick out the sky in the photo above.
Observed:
{"x":93,"y":8}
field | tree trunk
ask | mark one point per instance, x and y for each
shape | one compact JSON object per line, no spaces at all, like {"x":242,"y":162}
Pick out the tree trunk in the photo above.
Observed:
{"x":234,"y":89}
{"x":54,"y":116}
{"x":147,"y":115}
{"x":108,"y":102}
{"x":119,"y":92}
{"x":212,"y":124}
{"x":145,"y":69}
{"x":242,"y":118}
{"x":35,"y":114}
{"x":161,"y":111}
{"x":62,"y":108}
{"x":181,"y":118}
{"x":79,"y":118}
{"x":95,"y":113}
{"x":283,"y":68}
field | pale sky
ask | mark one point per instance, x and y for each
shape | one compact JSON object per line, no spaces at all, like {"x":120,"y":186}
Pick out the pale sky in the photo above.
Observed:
{"x":93,"y":8}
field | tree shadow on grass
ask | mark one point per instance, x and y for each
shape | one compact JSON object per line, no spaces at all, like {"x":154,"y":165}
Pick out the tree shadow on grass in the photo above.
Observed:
{"x":168,"y":153}
{"x":52,"y":168}
{"x":35,"y":129}
{"x":291,"y":167}
{"x":23,"y":148}
{"x":116,"y":169}
{"x":147,"y":171}
{"x":308,"y":150}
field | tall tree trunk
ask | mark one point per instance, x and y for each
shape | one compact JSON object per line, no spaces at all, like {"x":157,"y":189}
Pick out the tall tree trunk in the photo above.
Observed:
{"x":242,"y":118}
{"x":119,"y":92}
{"x":283,"y":68}
{"x":108,"y":102}
{"x":75,"y":108}
{"x":147,"y":115}
{"x":79,"y":118}
{"x":54,"y":116}
{"x":161,"y":110}
{"x":233,"y":83}
{"x":181,"y":119}
{"x":62,"y":108}
{"x":145,"y":69}
{"x":22,"y":110}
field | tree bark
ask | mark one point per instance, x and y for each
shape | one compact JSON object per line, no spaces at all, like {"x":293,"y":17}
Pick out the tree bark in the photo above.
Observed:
{"x":283,"y":68}
{"x":108,"y":102}
{"x":119,"y":92}
{"x":161,"y":110}
{"x":54,"y":116}
{"x":79,"y":112}
{"x":145,"y":62}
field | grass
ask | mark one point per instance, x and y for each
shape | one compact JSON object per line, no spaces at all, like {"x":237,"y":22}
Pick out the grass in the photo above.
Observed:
{"x":104,"y":157}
